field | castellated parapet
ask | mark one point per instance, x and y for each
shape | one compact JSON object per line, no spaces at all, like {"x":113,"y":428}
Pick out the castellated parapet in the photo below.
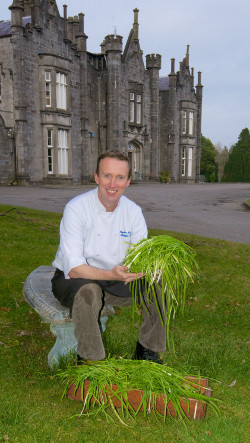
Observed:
{"x":153,"y":61}
{"x":113,"y":43}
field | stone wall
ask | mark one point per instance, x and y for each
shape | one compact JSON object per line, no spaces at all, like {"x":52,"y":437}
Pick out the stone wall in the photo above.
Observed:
{"x":98,"y":99}
{"x":7,"y":146}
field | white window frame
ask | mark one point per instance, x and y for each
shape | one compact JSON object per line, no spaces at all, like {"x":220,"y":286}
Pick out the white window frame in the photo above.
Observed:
{"x":47,"y":76}
{"x":63,"y":152}
{"x":138,"y":109}
{"x":190,"y":162}
{"x":183,"y":162}
{"x":50,"y":151}
{"x":135,"y":108}
{"x":191,"y":123}
{"x":132,"y":107}
{"x":184,"y":122}
{"x":61,"y":90}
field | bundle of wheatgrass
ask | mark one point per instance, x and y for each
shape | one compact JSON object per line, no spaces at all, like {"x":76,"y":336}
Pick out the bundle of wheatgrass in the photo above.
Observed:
{"x":169,"y":265}
{"x":112,"y":379}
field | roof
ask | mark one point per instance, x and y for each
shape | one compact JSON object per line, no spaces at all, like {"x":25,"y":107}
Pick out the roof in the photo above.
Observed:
{"x":163,"y":83}
{"x":5,"y":26}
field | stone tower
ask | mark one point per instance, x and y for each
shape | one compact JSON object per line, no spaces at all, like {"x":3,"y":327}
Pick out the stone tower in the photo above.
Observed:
{"x":81,"y":47}
{"x":19,"y":93}
{"x":173,"y":133}
{"x":199,"y":89}
{"x":113,"y":49}
{"x":153,"y":64}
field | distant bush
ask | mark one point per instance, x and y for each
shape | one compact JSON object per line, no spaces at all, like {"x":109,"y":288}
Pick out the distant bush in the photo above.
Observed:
{"x":208,"y":165}
{"x":237,"y":168}
{"x":164,"y":177}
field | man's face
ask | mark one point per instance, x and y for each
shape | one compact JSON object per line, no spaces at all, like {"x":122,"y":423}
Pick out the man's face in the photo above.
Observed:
{"x":112,"y":181}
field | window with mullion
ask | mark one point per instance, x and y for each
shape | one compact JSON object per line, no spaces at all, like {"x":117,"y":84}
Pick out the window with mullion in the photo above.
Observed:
{"x":191,"y":123}
{"x":50,"y":150}
{"x":183,"y":162}
{"x":190,"y":161}
{"x":132,"y":107}
{"x":63,"y":152}
{"x":135,"y":108}
{"x":184,"y":122}
{"x":61,"y":91}
{"x":138,"y":109}
{"x":187,"y":123}
{"x":48,"y":89}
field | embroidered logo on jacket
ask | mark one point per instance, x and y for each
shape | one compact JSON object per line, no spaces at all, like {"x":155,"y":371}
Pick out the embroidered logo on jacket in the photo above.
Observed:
{"x":125,"y":233}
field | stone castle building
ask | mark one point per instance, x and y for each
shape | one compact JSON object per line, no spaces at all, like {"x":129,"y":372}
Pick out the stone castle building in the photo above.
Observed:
{"x":60,"y":105}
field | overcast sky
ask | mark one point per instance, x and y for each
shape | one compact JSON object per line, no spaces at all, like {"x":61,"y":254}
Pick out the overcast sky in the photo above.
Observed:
{"x":218,"y":32}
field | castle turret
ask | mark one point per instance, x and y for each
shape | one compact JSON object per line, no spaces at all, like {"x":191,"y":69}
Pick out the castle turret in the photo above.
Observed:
{"x":73,"y":30}
{"x":16,"y":16}
{"x":81,"y":46}
{"x":19,"y":92}
{"x":113,"y":43}
{"x":153,"y":64}
{"x":199,"y":88}
{"x":80,"y":36}
{"x":173,"y":136}
{"x":113,"y":49}
{"x":36,"y":19}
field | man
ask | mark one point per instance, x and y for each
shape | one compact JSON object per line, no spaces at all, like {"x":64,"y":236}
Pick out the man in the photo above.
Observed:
{"x":95,"y":232}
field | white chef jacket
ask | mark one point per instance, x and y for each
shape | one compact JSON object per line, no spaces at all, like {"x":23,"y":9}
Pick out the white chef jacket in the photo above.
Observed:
{"x":90,"y":235}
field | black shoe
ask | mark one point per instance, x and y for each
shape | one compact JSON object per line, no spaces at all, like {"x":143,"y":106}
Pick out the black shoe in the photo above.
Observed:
{"x":142,"y":353}
{"x":80,"y":360}
{"x":83,"y":361}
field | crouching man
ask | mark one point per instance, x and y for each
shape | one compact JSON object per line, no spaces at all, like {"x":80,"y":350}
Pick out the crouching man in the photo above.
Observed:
{"x":95,"y":232}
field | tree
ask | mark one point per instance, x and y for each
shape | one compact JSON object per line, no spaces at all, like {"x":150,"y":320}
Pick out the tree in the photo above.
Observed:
{"x":237,"y":168}
{"x":221,"y":157}
{"x":208,"y":166}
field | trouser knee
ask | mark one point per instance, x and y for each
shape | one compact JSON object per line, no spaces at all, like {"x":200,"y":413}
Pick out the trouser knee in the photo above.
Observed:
{"x":90,"y":295}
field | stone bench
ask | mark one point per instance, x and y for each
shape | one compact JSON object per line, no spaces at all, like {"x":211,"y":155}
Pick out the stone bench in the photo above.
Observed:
{"x":38,"y":293}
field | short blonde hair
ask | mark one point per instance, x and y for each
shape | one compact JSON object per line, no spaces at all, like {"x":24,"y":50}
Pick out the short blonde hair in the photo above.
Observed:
{"x":115,"y":153}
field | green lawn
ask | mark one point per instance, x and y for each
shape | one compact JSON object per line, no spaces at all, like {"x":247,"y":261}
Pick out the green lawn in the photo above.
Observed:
{"x":211,"y":338}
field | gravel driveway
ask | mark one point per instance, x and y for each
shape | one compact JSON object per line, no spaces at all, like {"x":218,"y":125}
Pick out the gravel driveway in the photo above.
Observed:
{"x":210,"y":210}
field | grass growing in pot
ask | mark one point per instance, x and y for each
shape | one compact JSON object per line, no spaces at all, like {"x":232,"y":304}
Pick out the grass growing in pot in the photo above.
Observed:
{"x":168,"y":264}
{"x":149,"y":377}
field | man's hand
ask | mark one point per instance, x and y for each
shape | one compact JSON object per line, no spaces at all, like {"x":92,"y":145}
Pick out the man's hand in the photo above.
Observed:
{"x":121,"y":273}
{"x":118,"y":273}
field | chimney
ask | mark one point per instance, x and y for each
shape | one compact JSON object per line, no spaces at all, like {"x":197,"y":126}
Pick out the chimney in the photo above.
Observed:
{"x":199,"y":78}
{"x":136,"y":24}
{"x":187,"y":57}
{"x":172,"y":65}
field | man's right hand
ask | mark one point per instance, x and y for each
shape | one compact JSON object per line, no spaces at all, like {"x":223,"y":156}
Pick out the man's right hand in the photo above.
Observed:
{"x":121,"y":273}
{"x":118,"y":273}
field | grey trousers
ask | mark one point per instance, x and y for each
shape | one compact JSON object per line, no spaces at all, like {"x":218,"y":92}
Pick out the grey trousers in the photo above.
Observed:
{"x":87,"y":305}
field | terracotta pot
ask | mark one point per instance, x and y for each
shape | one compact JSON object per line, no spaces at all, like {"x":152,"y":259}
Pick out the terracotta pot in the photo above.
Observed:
{"x":193,"y":409}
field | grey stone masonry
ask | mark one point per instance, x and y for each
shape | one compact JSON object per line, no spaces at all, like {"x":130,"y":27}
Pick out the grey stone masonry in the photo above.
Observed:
{"x":65,"y":105}
{"x":37,"y":292}
{"x":153,"y":64}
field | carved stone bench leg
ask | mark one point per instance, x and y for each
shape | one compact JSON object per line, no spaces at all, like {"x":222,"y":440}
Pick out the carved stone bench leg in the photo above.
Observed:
{"x":66,"y":342}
